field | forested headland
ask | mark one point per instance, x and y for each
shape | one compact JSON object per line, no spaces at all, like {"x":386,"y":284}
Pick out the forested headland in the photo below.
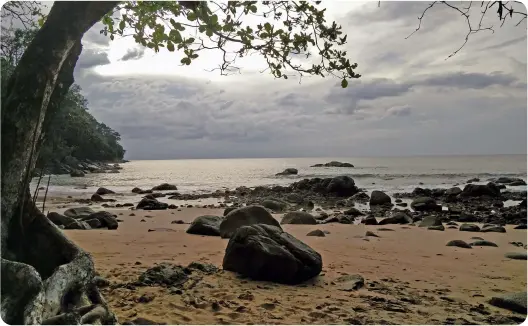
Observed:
{"x":74,"y":141}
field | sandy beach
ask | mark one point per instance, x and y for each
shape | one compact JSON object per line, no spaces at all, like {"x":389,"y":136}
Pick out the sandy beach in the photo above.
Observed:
{"x":411,"y":277}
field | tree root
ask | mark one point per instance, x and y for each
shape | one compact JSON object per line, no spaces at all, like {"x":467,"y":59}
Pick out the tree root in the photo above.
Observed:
{"x":51,"y":280}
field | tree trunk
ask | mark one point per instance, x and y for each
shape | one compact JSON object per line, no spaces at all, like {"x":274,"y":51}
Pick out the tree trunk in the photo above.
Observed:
{"x":45,"y":277}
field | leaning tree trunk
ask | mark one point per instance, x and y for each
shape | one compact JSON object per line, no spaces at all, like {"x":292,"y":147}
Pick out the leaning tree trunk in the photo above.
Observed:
{"x":45,"y":277}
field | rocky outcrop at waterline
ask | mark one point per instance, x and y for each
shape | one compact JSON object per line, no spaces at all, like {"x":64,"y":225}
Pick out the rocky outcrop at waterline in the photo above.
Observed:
{"x":79,"y":168}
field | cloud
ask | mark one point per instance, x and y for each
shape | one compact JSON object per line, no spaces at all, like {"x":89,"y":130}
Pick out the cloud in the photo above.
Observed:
{"x":94,"y":38}
{"x":468,"y":80}
{"x":399,"y":111}
{"x":90,"y":58}
{"x":410,"y":100}
{"x":133,"y":54}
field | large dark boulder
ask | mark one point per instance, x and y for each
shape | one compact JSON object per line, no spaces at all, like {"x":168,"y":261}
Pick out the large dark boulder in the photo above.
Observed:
{"x":472,"y":190}
{"x":151,"y":204}
{"x":164,"y":186}
{"x":469,"y":228}
{"x":79,"y":212}
{"x":288,"y":171}
{"x":512,"y":301}
{"x":370,"y":220}
{"x":104,"y":191}
{"x":298,"y":218}
{"x":76,"y":173}
{"x":379,"y":198}
{"x":422,"y":204}
{"x":451,"y":192}
{"x":97,"y":198}
{"x":397,"y":218}
{"x":59,"y":219}
{"x":107,"y":219}
{"x":244,"y":216}
{"x":267,"y":253}
{"x":274,"y":204}
{"x":342,"y":186}
{"x":77,"y":225}
{"x":206,"y":225}
{"x":509,"y":181}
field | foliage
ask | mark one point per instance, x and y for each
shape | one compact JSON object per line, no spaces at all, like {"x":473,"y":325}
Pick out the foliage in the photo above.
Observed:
{"x":284,"y":33}
{"x":73,"y":130}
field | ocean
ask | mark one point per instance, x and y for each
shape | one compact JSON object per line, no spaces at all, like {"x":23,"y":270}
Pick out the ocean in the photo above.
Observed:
{"x":389,"y":174}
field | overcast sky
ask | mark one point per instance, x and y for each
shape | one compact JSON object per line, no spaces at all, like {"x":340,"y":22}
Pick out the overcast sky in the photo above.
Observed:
{"x":409,"y":100}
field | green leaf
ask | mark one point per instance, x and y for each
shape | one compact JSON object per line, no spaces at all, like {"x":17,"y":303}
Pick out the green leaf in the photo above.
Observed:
{"x":263,"y":35}
{"x":170,"y":46}
{"x":192,"y":16}
{"x":209,"y":32}
{"x":253,"y":8}
{"x":267,"y":26}
{"x":122,"y":25}
{"x":344,"y":83}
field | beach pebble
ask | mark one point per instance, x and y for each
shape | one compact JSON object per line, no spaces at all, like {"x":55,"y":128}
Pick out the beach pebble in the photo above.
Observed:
{"x":165,"y":186}
{"x":142,"y":321}
{"x":520,"y":227}
{"x":458,"y":243}
{"x":164,"y":274}
{"x":385,"y":229}
{"x":316,"y":233}
{"x":451,"y":223}
{"x":177,"y":222}
{"x":477,"y":238}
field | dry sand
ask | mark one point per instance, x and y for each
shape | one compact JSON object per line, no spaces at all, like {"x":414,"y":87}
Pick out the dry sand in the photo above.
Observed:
{"x":411,"y":276}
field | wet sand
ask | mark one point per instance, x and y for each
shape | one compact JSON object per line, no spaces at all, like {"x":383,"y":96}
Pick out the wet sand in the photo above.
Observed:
{"x":411,"y":277}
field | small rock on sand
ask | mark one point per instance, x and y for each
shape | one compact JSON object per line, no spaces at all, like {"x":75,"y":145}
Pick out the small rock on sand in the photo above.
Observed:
{"x":458,"y":243}
{"x":520,"y":227}
{"x":371,"y":234}
{"x":350,"y":282}
{"x":516,"y":255}
{"x":385,"y":229}
{"x":469,"y":228}
{"x":316,"y":233}
{"x":436,"y":227}
{"x":493,"y":228}
{"x":515,"y":302}
{"x":483,"y":243}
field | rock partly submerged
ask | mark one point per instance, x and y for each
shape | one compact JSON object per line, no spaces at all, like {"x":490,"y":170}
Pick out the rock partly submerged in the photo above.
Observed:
{"x":334,"y":164}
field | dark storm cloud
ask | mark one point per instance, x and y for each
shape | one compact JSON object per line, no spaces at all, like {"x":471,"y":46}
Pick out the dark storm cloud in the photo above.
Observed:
{"x":91,"y":58}
{"x":133,"y":54}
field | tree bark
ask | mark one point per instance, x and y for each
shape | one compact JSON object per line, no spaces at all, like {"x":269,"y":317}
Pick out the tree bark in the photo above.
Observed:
{"x":43,"y":273}
{"x":28,"y":94}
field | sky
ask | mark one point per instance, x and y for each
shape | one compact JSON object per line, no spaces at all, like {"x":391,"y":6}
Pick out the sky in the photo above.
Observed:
{"x":410,"y":100}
